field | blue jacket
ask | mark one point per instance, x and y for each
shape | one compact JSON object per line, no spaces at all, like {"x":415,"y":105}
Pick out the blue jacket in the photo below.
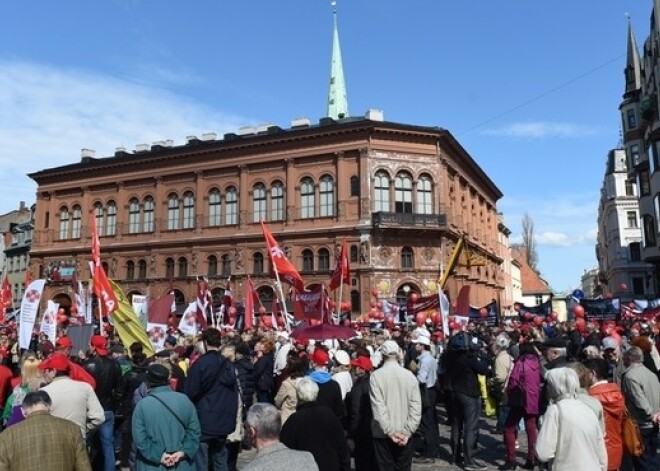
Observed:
{"x":212,"y":386}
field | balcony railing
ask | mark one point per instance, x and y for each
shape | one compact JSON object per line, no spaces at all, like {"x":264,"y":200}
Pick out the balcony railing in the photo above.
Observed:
{"x":381,"y":219}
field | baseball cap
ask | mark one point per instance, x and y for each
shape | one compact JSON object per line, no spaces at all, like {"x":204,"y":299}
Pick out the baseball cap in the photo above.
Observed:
{"x":64,"y":342}
{"x":390,"y":348}
{"x":423,"y":340}
{"x":100,"y":344}
{"x":363,"y":362}
{"x":57,"y":362}
{"x":320,"y":357}
{"x":342,"y":357}
{"x":609,"y":343}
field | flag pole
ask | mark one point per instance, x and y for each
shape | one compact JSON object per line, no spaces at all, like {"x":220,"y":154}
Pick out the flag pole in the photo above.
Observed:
{"x":341,"y":293}
{"x":279,"y":289}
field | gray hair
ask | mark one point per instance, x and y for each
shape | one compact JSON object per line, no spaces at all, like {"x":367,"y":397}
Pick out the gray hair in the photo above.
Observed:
{"x":502,"y":341}
{"x":633,"y":355}
{"x":265,"y":419}
{"x":306,"y":390}
{"x":561,"y":351}
{"x":562,"y":383}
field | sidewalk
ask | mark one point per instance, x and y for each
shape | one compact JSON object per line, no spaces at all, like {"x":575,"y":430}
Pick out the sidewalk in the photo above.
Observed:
{"x":490,"y":449}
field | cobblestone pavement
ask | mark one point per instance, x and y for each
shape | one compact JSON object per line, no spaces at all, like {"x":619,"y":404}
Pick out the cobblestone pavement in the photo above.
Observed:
{"x":490,"y":450}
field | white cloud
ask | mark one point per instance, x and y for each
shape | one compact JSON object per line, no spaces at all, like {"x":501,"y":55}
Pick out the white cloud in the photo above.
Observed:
{"x":47,"y":115}
{"x":540,"y":130}
{"x":553,"y":238}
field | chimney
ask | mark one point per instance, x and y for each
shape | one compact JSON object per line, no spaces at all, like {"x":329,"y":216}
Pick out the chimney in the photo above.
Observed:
{"x":87,"y":153}
{"x":209,"y":136}
{"x":375,"y":115}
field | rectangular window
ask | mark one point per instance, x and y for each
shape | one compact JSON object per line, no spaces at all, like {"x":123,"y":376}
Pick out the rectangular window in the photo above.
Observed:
{"x":632,"y":219}
{"x":634,"y":154}
{"x":635,"y":252}
{"x":277,"y":208}
{"x":632,"y":119}
{"x":638,"y":286}
{"x":644,"y":183}
{"x":307,"y":206}
{"x":630,"y":188}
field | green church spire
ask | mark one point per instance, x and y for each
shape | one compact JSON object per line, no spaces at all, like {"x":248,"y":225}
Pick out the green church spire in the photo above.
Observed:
{"x":337,"y":101}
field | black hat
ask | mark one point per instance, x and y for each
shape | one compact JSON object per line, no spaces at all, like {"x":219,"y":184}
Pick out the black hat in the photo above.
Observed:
{"x":157,"y":375}
{"x":165,"y":353}
{"x":555,"y":342}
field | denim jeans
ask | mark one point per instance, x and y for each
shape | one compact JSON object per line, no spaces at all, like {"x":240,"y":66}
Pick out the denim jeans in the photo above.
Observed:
{"x":106,"y":435}
{"x":212,"y":455}
{"x":650,"y":459}
{"x":429,"y":427}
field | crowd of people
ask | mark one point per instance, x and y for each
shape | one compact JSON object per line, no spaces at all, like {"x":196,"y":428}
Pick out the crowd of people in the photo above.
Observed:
{"x":366,"y":403}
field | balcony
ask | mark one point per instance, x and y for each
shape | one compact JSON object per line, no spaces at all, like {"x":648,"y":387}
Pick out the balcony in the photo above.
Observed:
{"x":409,"y":220}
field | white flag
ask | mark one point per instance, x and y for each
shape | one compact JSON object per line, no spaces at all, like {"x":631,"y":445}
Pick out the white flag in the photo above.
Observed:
{"x":29,"y":308}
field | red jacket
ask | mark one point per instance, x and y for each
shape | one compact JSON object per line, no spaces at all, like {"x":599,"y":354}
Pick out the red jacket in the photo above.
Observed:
{"x":612,"y":400}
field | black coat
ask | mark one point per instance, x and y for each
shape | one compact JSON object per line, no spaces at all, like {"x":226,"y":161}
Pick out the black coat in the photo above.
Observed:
{"x":245,"y":373}
{"x":330,"y":396}
{"x":358,"y":406}
{"x":315,"y":428}
{"x":263,"y":372}
{"x":110,"y":383}
{"x":461,"y":370}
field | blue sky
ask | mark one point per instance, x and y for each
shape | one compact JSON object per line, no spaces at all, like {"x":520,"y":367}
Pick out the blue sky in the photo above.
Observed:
{"x":531,"y":89}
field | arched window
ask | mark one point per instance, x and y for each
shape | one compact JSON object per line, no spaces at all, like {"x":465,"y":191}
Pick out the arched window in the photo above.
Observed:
{"x":76,"y":217}
{"x":111,"y":223}
{"x":226,"y":265}
{"x":142,"y":269}
{"x":99,"y":213}
{"x":148,"y":223}
{"x":183,"y":267}
{"x":324,"y":259}
{"x":407,"y":258}
{"x":231,"y":206}
{"x":188,"y":210}
{"x":354,"y":253}
{"x":169,"y":267}
{"x":308,"y":260}
{"x":64,"y":223}
{"x":307,"y":198}
{"x":403,"y":194}
{"x":214,"y":207}
{"x":327,"y":196}
{"x":277,"y":202}
{"x":382,"y":192}
{"x":355,"y":301}
{"x":424,"y":195}
{"x":258,"y":263}
{"x":173,"y":212}
{"x":259,"y":202}
{"x":133,"y":216}
{"x":213,"y":266}
{"x":130,"y":270}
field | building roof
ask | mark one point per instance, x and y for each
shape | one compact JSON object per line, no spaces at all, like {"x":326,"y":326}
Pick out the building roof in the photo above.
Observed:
{"x":532,"y":281}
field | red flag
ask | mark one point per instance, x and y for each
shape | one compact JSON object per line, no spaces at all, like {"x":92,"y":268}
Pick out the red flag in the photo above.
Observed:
{"x":6,"y":299}
{"x":310,"y":304}
{"x":161,"y":308}
{"x":202,"y":303}
{"x":251,"y":298}
{"x":227,"y":297}
{"x":342,"y":270}
{"x":284,"y":267}
{"x":102,"y":287}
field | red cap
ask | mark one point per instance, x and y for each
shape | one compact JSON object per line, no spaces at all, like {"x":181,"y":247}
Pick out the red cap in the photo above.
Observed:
{"x":100,"y":344}
{"x":320,"y":357}
{"x":363,"y":362}
{"x":64,"y":342}
{"x":57,"y":361}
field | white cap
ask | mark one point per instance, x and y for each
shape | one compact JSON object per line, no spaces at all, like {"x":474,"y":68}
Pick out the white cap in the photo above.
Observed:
{"x":390,"y":348}
{"x":342,"y":357}
{"x":423,"y":340}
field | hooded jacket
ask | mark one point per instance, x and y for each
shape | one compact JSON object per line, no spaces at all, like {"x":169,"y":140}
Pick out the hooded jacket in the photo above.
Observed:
{"x":612,"y":400}
{"x":526,"y":375}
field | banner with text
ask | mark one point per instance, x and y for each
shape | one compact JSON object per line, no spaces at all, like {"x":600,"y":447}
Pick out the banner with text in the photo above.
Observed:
{"x":29,"y":308}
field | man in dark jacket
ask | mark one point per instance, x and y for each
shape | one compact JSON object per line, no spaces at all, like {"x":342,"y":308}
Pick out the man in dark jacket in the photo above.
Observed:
{"x":463,"y":363}
{"x":329,"y":391}
{"x":109,"y":389}
{"x":211,"y":385}
{"x":245,"y":372}
{"x":360,"y":417}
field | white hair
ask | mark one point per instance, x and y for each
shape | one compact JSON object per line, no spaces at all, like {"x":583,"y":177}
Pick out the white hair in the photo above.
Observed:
{"x":307,"y":390}
{"x":562,"y":383}
{"x":502,"y":341}
{"x":265,"y":419}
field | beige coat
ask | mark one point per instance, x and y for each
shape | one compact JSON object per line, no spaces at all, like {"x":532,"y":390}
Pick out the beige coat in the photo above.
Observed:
{"x":286,"y":399}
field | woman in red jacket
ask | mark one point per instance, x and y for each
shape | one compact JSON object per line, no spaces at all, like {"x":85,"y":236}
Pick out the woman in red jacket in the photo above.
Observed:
{"x":611,"y":398}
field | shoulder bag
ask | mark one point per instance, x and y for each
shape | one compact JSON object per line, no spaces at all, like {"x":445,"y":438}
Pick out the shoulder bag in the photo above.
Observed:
{"x":631,"y":435}
{"x":516,"y":396}
{"x":168,"y":408}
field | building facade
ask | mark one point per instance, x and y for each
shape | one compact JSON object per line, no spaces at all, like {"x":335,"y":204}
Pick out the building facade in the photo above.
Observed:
{"x":534,"y":289}
{"x":16,"y":216}
{"x":621,"y":271}
{"x":402,"y":195}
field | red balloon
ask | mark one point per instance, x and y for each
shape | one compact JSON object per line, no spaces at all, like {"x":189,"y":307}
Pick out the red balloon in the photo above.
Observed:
{"x":60,"y":310}
{"x":483,"y":312}
{"x":609,"y":295}
{"x":74,"y":308}
{"x":373,"y":303}
{"x":332,"y":305}
{"x":436,"y":317}
{"x":347,"y":322}
{"x":62,"y":318}
{"x":414,"y":297}
{"x":379,"y":305}
{"x":378,"y":315}
{"x":516,"y":307}
{"x":453,"y":325}
{"x":580,"y":324}
{"x":528,"y":316}
{"x":262,"y":310}
{"x":538,"y":320}
{"x":390,"y":321}
{"x":374,"y":292}
{"x":232,"y":311}
{"x":623,"y":287}
{"x":578,"y":310}
{"x":267,"y":321}
{"x":420,"y":318}
{"x":346,"y":306}
{"x":554,"y":315}
{"x":549,"y":319}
